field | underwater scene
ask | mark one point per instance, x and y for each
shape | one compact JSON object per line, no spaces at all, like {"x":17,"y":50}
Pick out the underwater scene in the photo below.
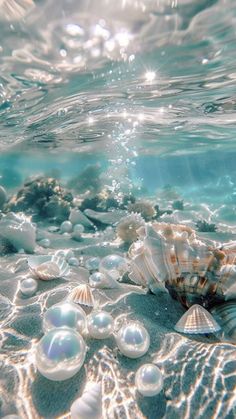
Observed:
{"x":117,"y":209}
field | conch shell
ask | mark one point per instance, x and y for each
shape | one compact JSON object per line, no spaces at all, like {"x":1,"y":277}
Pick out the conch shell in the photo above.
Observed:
{"x":172,"y":257}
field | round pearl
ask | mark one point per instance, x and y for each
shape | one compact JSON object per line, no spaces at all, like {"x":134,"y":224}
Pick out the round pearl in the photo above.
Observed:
{"x":92,"y":263}
{"x":60,"y":354}
{"x":65,"y":314}
{"x":113,"y":264}
{"x":98,"y":280}
{"x":66,"y":227}
{"x":78,"y":228}
{"x":28,"y":286}
{"x":149,"y":380}
{"x":100,"y":324}
{"x":133,"y":340}
{"x":73,"y":262}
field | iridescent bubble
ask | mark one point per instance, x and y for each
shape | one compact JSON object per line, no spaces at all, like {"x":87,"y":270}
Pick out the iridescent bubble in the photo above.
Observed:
{"x":133,"y":340}
{"x":100,"y":324}
{"x":28,"y":286}
{"x":65,"y":314}
{"x":115,"y":265}
{"x":60,"y":354}
{"x":149,"y":380}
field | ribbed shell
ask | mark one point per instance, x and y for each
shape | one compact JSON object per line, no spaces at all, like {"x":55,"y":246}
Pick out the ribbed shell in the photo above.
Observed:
{"x":82,"y":295}
{"x":225,"y":314}
{"x":48,"y":268}
{"x":197,"y":320}
{"x":89,"y":405}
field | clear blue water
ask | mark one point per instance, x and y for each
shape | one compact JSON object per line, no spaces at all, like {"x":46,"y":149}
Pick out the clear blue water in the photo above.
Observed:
{"x":133,"y":97}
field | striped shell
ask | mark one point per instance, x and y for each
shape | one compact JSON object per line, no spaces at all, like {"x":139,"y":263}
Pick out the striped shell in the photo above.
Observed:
{"x":47,"y":268}
{"x":89,"y":405}
{"x":197,"y":320}
{"x":194,"y":271}
{"x":225,"y":314}
{"x":82,"y":295}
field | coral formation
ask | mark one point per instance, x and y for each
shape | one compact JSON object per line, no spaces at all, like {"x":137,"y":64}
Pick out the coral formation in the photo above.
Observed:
{"x":43,"y":197}
{"x":127,"y":227}
{"x":144,"y":208}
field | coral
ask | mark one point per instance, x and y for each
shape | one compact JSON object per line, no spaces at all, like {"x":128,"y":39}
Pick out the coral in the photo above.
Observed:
{"x":43,"y":197}
{"x":205,"y":227}
{"x":145,"y":208}
{"x":128,"y":226}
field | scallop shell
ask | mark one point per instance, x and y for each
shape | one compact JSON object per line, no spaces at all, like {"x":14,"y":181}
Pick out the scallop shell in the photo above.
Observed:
{"x":82,"y":295}
{"x":197,"y":320}
{"x":89,"y":405}
{"x":225,"y":314}
{"x":47,"y":268}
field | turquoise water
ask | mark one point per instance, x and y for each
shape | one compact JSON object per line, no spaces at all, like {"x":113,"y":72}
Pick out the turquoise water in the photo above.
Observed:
{"x":120,"y":100}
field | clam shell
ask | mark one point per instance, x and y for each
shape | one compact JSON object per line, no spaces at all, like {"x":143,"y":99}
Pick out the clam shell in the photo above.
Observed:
{"x":82,"y":295}
{"x":47,"y":268}
{"x":89,"y":405}
{"x":225,"y":314}
{"x":197,"y":320}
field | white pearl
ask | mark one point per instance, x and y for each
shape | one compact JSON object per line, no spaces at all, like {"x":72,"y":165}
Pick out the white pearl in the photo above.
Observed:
{"x":64,"y":314}
{"x":60,"y":354}
{"x":78,"y":228}
{"x":114,"y":264}
{"x":28,"y":286}
{"x":92,"y":263}
{"x":98,"y":280}
{"x":149,"y":380}
{"x":133,"y":340}
{"x":66,"y":227}
{"x":100,"y":324}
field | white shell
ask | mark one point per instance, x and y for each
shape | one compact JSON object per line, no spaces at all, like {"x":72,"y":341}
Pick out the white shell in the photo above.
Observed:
{"x":197,"y":320}
{"x":110,"y":217}
{"x":19,"y":231}
{"x":82,"y":295}
{"x":47,"y":268}
{"x":89,"y":405}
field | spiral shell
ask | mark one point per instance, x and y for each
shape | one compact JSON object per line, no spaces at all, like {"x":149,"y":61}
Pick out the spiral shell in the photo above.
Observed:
{"x":89,"y":405}
{"x":193,"y":270}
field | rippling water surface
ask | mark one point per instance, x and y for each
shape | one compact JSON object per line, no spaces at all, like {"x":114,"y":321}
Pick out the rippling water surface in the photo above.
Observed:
{"x":139,"y":97}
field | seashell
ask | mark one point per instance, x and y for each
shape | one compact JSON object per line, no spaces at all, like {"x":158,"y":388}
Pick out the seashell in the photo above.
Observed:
{"x":127,"y":227}
{"x":47,"y":268}
{"x":82,"y":295}
{"x":78,"y":217}
{"x":18,"y":231}
{"x":225,"y":314}
{"x":89,"y":405}
{"x":197,"y":320}
{"x":110,"y":217}
{"x":193,"y":270}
